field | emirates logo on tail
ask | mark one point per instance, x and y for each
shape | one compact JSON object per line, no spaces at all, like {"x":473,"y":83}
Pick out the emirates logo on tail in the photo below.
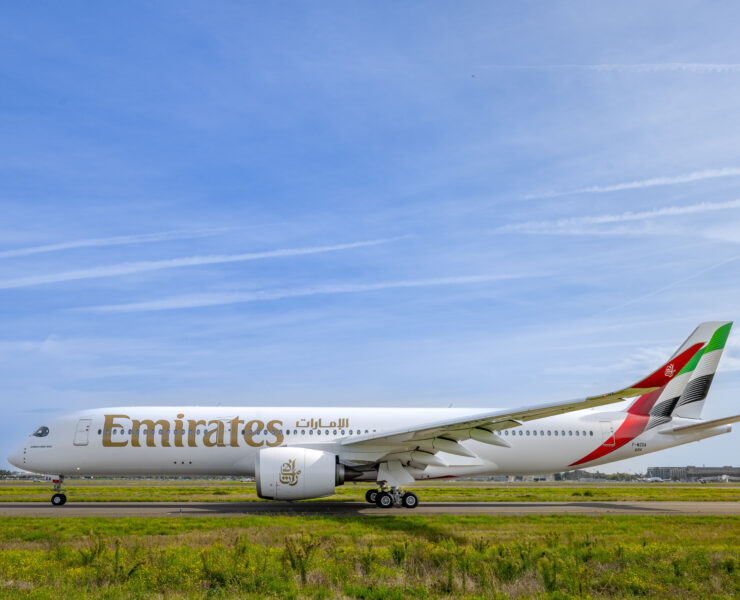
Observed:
{"x":670,"y":370}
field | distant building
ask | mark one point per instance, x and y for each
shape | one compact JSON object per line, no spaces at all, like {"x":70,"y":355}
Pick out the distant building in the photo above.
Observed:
{"x":668,"y":473}
{"x":692,"y":473}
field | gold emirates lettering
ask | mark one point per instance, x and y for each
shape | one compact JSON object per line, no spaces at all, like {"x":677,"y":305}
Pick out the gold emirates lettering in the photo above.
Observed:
{"x":142,"y":432}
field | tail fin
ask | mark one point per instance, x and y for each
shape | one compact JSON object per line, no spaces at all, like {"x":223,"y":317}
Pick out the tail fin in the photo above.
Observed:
{"x":703,"y":366}
{"x":707,"y":340}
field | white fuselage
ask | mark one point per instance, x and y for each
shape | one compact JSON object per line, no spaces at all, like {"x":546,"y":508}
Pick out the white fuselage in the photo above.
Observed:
{"x":226,"y":440}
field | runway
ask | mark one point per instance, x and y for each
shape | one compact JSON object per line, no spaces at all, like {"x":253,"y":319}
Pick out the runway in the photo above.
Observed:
{"x":359,"y":509}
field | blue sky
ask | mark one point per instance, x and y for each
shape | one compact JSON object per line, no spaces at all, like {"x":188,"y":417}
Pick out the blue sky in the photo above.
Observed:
{"x":416,"y":204}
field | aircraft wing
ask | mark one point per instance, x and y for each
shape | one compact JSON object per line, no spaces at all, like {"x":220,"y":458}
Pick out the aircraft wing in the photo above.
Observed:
{"x":444,"y":435}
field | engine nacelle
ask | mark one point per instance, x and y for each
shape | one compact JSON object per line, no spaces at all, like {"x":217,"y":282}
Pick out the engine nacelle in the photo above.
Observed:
{"x":296,"y":473}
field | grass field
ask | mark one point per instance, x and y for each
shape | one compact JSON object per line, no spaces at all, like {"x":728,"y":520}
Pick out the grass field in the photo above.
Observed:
{"x":385,"y":557}
{"x":235,"y":491}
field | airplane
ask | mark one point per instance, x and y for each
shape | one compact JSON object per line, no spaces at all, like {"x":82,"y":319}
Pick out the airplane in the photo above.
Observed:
{"x":297,"y":453}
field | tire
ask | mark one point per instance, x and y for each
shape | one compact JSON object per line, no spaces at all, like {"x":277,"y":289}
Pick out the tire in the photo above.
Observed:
{"x":384,"y":500}
{"x":58,"y":499}
{"x":409,"y":500}
{"x":371,"y":496}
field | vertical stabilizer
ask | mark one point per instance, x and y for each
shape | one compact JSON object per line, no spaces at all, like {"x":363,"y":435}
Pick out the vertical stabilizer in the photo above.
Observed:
{"x":691,"y":382}
{"x":703,"y":365}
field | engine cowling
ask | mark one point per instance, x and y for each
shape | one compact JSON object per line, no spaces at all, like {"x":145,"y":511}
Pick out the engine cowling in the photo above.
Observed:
{"x":296,"y":473}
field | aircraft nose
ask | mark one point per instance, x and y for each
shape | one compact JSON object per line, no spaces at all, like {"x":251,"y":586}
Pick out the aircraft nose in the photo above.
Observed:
{"x":16,"y":458}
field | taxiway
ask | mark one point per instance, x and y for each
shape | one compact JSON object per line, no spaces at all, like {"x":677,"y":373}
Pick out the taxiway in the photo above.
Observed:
{"x":359,"y":509}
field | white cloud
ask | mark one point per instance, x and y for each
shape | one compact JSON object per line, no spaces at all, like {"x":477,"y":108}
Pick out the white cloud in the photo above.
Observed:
{"x":119,"y":240}
{"x":563,"y":226}
{"x":190,"y":261}
{"x":644,"y":183}
{"x":199,"y":300}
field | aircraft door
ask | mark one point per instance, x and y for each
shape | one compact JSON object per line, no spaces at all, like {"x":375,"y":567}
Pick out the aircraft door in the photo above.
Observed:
{"x":607,"y":433}
{"x":82,"y":432}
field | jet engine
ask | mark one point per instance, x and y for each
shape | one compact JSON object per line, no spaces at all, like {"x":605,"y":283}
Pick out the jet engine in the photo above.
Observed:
{"x":296,"y":473}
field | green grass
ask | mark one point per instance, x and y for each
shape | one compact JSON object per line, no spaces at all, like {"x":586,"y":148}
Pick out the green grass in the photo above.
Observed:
{"x":234,"y":491}
{"x":370,"y":558}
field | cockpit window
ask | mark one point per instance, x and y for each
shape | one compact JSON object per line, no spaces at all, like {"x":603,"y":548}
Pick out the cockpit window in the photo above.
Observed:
{"x":41,"y":432}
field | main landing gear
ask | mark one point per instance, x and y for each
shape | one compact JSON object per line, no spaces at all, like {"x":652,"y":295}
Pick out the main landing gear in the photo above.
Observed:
{"x":391,"y":496}
{"x":59,"y":497}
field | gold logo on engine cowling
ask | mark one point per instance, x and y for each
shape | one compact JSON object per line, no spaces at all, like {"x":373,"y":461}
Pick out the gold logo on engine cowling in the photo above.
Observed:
{"x":288,"y":474}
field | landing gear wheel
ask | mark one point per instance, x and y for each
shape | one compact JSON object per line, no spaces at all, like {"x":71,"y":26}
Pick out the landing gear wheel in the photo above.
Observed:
{"x":409,"y":500}
{"x":58,"y":499}
{"x":371,"y":496}
{"x":384,"y":500}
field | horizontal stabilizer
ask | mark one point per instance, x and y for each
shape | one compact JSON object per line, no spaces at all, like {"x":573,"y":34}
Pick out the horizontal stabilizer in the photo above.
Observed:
{"x":704,"y":425}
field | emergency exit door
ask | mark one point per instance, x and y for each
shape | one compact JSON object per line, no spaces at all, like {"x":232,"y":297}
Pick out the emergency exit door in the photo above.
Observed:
{"x":82,"y":433}
{"x":607,"y":433}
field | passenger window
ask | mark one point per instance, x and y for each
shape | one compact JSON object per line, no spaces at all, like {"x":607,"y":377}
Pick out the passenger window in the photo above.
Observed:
{"x":570,"y":432}
{"x":562,"y":432}
{"x":534,"y":432}
{"x":590,"y":433}
{"x":521,"y":432}
{"x":556,"y":432}
{"x":576,"y":432}
{"x":506,"y":432}
{"x":100,"y":431}
{"x":542,"y":432}
{"x":527,"y":431}
{"x":549,"y":432}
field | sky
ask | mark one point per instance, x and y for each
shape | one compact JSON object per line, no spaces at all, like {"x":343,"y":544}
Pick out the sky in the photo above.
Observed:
{"x":364,"y":204}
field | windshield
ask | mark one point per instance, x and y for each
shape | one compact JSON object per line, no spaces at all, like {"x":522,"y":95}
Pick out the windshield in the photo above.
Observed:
{"x":41,"y":432}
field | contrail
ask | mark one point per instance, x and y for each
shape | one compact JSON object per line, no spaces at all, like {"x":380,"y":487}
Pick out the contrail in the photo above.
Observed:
{"x":670,"y":285}
{"x":200,"y":300}
{"x":627,"y":67}
{"x":643,"y":183}
{"x":190,"y":261}
{"x":561,"y":225}
{"x":119,"y":240}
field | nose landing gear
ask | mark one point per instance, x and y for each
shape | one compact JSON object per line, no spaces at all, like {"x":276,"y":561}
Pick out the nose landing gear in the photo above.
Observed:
{"x":59,"y":497}
{"x":388,"y":497}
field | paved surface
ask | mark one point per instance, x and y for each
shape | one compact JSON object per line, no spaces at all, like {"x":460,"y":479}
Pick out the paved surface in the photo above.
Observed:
{"x":236,"y":509}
